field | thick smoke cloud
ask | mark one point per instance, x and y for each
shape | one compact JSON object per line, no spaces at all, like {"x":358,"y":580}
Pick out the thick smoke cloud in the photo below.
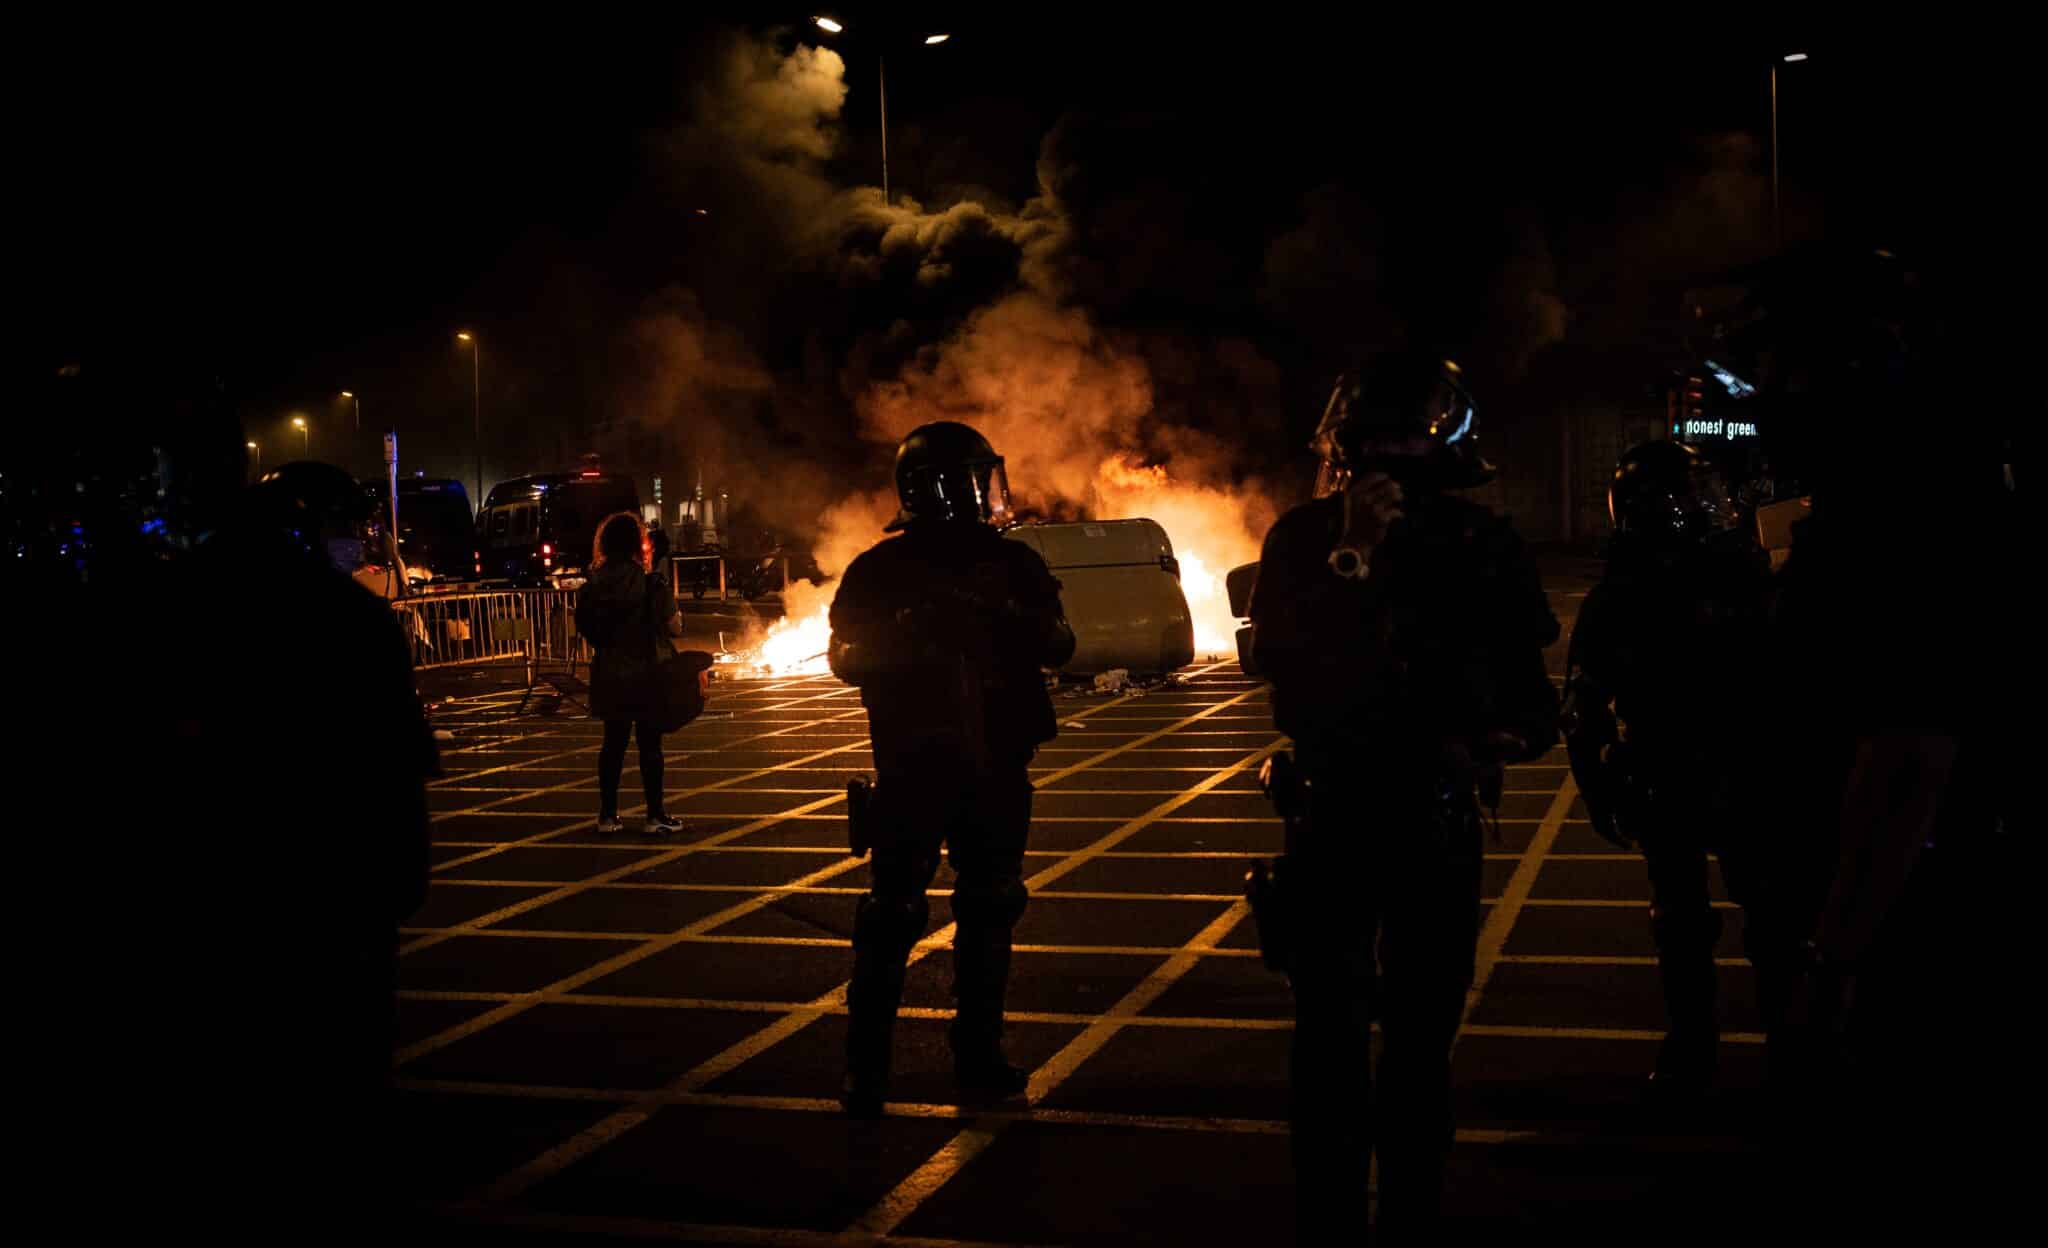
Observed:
{"x":1125,"y":313}
{"x":970,"y":312}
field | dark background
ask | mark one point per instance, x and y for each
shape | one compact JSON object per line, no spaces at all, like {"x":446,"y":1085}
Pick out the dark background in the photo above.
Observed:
{"x":277,"y":211}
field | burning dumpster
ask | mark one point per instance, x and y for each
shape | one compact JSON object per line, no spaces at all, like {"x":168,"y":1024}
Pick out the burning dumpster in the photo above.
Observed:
{"x":1120,"y":584}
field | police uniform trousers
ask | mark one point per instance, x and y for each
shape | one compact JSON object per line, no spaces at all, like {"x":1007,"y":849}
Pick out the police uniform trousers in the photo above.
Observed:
{"x":1678,"y":837}
{"x":981,"y":823}
{"x":1385,"y":878}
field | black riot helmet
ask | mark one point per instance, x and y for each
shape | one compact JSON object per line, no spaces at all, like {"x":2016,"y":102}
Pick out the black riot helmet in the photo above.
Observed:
{"x":1667,"y":493}
{"x":1404,"y":413}
{"x":947,"y":472}
{"x":1822,"y":342}
{"x":318,"y":509}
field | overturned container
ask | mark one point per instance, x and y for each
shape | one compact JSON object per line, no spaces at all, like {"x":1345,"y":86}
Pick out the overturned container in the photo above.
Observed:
{"x":1120,"y":584}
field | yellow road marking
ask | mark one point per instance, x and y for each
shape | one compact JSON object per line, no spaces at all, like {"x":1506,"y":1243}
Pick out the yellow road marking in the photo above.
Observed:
{"x":902,"y":1201}
{"x":1501,"y":915}
{"x":692,"y":1232}
{"x":519,"y":1179}
{"x":926,"y":1110}
{"x":524,"y":794}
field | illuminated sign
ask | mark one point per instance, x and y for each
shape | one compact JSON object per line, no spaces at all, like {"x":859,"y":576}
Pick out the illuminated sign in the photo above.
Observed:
{"x":1729,"y":429}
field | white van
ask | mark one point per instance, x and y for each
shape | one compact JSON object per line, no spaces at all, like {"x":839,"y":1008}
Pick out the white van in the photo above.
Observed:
{"x":1120,"y":585}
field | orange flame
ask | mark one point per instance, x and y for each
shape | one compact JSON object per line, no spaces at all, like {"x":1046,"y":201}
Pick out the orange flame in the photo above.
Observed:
{"x":1212,"y":530}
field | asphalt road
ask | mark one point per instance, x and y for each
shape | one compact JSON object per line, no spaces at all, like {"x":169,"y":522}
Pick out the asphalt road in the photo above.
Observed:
{"x":632,"y":1037}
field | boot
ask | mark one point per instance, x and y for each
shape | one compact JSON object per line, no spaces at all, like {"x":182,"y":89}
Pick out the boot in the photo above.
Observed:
{"x":1685,"y":962}
{"x":870,"y":1032}
{"x":1686,"y":1060}
{"x":976,"y":1035}
{"x":873,"y":996}
{"x":980,"y":1068}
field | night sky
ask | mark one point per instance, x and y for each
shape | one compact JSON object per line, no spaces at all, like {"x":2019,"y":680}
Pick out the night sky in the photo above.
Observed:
{"x":283,"y":212}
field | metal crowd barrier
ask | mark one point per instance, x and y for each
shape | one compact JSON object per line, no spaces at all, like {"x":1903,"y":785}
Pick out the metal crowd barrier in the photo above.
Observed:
{"x":536,"y":626}
{"x":696,"y":579}
{"x":698,"y":574}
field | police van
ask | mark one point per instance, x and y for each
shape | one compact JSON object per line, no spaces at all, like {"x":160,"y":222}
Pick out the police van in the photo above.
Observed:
{"x":436,"y":532}
{"x":540,"y":529}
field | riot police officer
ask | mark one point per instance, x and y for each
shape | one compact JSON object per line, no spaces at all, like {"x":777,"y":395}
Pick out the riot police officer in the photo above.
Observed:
{"x":945,"y":628}
{"x":1664,"y":681}
{"x":1402,"y":627}
{"x":311,"y":697}
{"x":198,"y":642}
{"x":1895,"y":633}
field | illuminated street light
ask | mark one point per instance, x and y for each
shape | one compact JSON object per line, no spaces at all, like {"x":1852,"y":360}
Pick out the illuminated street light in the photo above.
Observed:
{"x":259,"y":456}
{"x":1777,"y":213}
{"x":476,"y":400}
{"x":351,"y":397}
{"x":305,"y":435}
{"x":831,"y":27}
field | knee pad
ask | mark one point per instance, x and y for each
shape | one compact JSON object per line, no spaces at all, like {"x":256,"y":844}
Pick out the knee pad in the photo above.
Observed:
{"x":994,"y":902}
{"x":890,"y":922}
{"x":1677,"y":930}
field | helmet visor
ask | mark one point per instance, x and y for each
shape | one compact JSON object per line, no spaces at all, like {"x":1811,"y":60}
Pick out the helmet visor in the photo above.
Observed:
{"x":977,"y":491}
{"x":1391,"y":415}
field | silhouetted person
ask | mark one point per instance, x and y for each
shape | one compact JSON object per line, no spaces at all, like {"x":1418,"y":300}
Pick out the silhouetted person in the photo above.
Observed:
{"x":945,"y":628}
{"x":658,"y":554}
{"x":313,"y":731}
{"x":628,"y":617}
{"x":1666,"y":679}
{"x":1900,"y":654}
{"x":1402,"y":628}
{"x":268,"y":796}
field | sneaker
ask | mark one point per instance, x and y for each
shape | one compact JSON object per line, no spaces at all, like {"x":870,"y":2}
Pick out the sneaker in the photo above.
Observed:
{"x":608,"y":825}
{"x":663,"y":825}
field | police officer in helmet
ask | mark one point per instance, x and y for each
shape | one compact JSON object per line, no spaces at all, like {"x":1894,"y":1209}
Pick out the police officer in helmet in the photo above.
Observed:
{"x":314,"y":510}
{"x":1900,"y":629}
{"x":311,"y":696}
{"x":1665,"y":674}
{"x":1402,"y":627}
{"x":945,"y":627}
{"x":196,"y":644}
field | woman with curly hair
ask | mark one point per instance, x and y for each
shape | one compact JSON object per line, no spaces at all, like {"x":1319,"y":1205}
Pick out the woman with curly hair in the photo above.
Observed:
{"x":627,"y":617}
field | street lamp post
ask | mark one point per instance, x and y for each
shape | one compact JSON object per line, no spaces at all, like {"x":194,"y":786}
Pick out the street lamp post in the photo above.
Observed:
{"x":356,"y":444}
{"x":305,"y":436}
{"x":1777,"y":213}
{"x":259,"y":457}
{"x":476,"y":405}
{"x":832,"y":26}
